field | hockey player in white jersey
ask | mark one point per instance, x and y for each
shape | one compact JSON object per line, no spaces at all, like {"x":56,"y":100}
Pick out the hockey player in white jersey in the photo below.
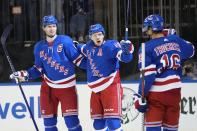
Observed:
{"x":164,"y":56}
{"x":55,"y":57}
{"x":103,"y":58}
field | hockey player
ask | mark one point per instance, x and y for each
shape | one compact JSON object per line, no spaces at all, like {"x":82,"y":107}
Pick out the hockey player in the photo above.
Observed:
{"x":164,"y":56}
{"x":55,"y":57}
{"x":103,"y":77}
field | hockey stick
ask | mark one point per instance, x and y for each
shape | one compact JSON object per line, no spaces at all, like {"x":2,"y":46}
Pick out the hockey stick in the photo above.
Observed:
{"x":126,"y":19}
{"x":4,"y":37}
{"x":143,"y":81}
{"x":171,"y":16}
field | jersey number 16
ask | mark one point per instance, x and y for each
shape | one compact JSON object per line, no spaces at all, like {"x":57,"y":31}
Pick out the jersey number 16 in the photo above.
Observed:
{"x":170,"y":62}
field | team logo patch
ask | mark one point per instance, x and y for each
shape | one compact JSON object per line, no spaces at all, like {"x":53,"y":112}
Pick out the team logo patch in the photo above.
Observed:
{"x":60,"y":48}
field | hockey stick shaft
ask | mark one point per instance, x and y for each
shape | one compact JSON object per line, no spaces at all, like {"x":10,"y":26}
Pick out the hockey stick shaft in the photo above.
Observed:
{"x":143,"y":81}
{"x":127,"y":19}
{"x":143,"y":70}
{"x":4,"y":37}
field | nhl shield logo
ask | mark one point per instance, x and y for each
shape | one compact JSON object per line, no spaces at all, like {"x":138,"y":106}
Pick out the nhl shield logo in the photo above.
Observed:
{"x":60,"y":48}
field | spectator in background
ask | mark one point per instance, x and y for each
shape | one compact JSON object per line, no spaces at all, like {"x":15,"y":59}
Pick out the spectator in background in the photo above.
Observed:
{"x":78,"y":25}
{"x":188,"y":72}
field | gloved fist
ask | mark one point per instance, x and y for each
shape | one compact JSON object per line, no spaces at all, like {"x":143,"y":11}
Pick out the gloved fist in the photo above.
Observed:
{"x":127,"y":46}
{"x":20,"y":76}
{"x":170,"y":31}
{"x":139,"y":105}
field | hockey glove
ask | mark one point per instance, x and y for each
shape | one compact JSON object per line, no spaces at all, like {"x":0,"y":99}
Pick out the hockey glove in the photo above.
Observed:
{"x":20,"y":76}
{"x":139,"y":105}
{"x":167,"y":32}
{"x":127,"y":46}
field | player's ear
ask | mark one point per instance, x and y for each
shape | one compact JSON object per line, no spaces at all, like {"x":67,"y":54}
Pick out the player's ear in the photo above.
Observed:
{"x":149,"y":31}
{"x":43,"y":28}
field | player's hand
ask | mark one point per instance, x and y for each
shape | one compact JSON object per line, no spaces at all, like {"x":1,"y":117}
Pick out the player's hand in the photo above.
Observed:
{"x":170,"y":31}
{"x":20,"y":76}
{"x":127,"y":46}
{"x":139,"y":105}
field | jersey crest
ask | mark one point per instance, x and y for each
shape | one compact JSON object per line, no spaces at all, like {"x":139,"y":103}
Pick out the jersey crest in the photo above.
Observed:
{"x":60,"y":48}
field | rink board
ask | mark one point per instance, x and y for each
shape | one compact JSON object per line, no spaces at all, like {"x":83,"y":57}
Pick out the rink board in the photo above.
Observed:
{"x":14,"y":114}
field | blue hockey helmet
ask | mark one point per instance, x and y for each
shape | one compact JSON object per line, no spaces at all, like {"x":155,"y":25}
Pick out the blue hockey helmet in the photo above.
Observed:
{"x":48,"y":20}
{"x":156,"y":22}
{"x":96,"y":28}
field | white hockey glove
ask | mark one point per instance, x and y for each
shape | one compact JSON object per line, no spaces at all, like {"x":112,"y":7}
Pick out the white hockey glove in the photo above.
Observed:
{"x":170,"y":31}
{"x":127,"y":46}
{"x":139,"y":105}
{"x":20,"y":76}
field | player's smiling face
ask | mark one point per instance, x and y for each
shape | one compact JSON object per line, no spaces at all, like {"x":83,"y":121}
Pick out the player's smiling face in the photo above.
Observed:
{"x":50,"y":30}
{"x":97,"y":38}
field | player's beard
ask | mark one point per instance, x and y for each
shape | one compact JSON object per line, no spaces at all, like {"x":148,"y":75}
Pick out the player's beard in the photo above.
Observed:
{"x":51,"y":33}
{"x":51,"y":36}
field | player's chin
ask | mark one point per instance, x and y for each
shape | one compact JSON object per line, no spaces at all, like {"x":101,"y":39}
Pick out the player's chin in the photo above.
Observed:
{"x":98,"y":43}
{"x":51,"y":35}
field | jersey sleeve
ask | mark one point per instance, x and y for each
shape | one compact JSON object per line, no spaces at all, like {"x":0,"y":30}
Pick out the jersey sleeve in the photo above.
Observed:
{"x":35,"y":71}
{"x":187,"y":49}
{"x":149,"y":72}
{"x":73,"y":54}
{"x":119,"y":54}
{"x":82,"y":49}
